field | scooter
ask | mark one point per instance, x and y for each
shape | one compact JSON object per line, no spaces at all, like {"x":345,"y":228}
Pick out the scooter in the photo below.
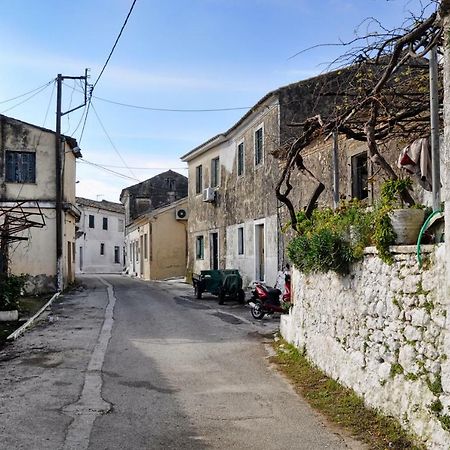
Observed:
{"x":266,"y":300}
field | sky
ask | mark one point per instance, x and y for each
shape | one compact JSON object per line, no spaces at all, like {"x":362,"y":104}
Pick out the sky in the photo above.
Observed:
{"x":173,"y":54}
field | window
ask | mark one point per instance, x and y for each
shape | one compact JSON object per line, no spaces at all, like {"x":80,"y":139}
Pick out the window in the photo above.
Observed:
{"x":73,"y":251}
{"x":145,"y":246}
{"x":20,"y":167}
{"x":215,"y":172}
{"x":120,"y":225}
{"x":240,"y":240}
{"x":91,"y":221}
{"x":198,"y":179}
{"x":199,"y":247}
{"x":359,"y":176}
{"x":170,"y":184}
{"x":105,"y":223}
{"x":102,"y":248}
{"x":117,"y":255}
{"x":240,"y":159}
{"x":259,"y":153}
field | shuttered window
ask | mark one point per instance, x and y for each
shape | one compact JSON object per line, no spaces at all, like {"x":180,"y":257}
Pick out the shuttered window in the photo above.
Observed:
{"x":20,"y":167}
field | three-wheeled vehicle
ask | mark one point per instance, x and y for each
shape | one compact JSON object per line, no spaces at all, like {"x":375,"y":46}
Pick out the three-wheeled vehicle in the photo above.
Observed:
{"x":223,"y":283}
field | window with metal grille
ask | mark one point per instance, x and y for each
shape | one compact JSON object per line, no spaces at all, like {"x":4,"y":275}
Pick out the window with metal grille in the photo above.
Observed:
{"x":215,"y":172}
{"x":20,"y":167}
{"x":240,"y":159}
{"x":198,"y":179}
{"x":259,"y":154}
{"x":240,"y":240}
{"x":359,"y":176}
{"x":199,"y":247}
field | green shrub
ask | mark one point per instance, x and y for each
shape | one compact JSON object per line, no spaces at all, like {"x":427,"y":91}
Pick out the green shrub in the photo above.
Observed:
{"x":10,"y":290}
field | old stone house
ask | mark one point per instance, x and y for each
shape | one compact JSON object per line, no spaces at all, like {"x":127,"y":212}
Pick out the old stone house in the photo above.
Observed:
{"x":28,"y":176}
{"x":155,"y":217}
{"x":100,"y":237}
{"x":236,"y":220}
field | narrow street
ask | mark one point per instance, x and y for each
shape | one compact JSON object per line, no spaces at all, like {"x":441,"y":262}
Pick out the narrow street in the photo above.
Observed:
{"x":125,"y":364}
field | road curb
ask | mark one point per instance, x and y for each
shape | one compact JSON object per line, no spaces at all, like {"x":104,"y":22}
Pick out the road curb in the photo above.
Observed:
{"x":31,"y":320}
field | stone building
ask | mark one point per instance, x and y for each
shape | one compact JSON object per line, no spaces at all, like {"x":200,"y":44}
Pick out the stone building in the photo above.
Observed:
{"x":236,"y":220}
{"x":100,"y":237}
{"x":155,"y":217}
{"x":28,"y":175}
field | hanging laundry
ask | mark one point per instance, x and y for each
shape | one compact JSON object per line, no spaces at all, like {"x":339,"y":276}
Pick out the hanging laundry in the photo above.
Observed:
{"x":416,"y":159}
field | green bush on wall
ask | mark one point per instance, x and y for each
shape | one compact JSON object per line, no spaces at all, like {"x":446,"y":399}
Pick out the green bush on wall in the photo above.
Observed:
{"x":330,"y":239}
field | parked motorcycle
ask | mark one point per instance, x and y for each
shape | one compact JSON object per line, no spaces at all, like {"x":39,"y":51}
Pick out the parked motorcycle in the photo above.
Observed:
{"x":266,"y":300}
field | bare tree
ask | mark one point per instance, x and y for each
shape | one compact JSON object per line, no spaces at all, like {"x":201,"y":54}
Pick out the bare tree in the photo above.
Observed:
{"x":381,"y":94}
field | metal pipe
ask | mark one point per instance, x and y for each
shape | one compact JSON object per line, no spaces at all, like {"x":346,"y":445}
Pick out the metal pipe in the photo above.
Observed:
{"x":335,"y":170}
{"x":434,"y":114}
{"x":58,"y":184}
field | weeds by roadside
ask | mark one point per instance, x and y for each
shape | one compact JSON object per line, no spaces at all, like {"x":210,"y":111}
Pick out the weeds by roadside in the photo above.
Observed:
{"x":339,"y":404}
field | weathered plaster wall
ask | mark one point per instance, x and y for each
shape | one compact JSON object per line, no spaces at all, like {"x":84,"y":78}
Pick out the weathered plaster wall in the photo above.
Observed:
{"x":381,"y":331}
{"x":240,"y":199}
{"x":246,"y":263}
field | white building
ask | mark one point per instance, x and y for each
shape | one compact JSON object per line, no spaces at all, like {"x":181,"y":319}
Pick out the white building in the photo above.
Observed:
{"x":100,"y":237}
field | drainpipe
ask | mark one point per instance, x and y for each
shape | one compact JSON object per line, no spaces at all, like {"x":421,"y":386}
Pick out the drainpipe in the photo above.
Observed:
{"x":434,"y":113}
{"x":58,"y":184}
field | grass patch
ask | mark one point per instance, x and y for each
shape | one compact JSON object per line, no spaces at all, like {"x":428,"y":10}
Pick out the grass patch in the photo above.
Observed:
{"x":339,"y":404}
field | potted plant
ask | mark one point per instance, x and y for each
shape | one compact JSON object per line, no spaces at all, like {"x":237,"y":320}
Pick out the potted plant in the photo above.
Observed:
{"x":405,"y":222}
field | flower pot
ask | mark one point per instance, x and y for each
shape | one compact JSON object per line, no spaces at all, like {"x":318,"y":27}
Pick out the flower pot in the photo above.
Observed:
{"x":407,"y":224}
{"x":9,"y":316}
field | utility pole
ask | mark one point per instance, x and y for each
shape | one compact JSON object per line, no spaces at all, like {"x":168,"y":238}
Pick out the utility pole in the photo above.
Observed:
{"x":59,"y":164}
{"x":434,"y":115}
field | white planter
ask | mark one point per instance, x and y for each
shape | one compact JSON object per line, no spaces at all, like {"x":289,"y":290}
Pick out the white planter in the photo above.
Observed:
{"x":407,"y":224}
{"x":9,"y":316}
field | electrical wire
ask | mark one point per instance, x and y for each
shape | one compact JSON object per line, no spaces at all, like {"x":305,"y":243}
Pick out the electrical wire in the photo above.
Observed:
{"x":121,"y":175}
{"x":27,"y":99}
{"x":29,"y":92}
{"x":143,"y":168}
{"x":152,"y":108}
{"x":149,"y":108}
{"x":115,"y":44}
{"x":41,"y":131}
{"x":110,"y":140}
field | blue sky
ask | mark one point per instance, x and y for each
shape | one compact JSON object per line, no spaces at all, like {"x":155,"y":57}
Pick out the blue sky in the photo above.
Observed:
{"x":175,"y":54}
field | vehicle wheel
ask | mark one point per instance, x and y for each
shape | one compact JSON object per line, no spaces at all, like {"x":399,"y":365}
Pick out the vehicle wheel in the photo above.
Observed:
{"x":198,"y":292}
{"x":241,"y":296}
{"x":257,"y":311}
{"x":221,"y":297}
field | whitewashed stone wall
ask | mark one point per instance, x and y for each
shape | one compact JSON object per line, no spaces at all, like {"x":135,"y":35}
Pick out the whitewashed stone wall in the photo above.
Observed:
{"x":381,"y":331}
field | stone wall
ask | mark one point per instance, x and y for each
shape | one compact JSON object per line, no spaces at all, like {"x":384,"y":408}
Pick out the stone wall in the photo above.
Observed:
{"x":381,"y":330}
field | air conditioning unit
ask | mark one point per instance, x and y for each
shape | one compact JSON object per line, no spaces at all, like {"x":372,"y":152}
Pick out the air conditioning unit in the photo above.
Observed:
{"x":209,"y":195}
{"x":181,"y":214}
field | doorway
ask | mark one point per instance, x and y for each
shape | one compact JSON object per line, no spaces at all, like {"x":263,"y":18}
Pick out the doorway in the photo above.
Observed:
{"x":214,"y":250}
{"x":81,"y":259}
{"x":259,"y":252}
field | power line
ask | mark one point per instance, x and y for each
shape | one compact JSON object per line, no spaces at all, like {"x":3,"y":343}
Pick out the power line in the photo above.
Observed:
{"x":121,"y":175}
{"x":43,"y":88}
{"x":109,"y":138}
{"x":149,"y":108}
{"x":143,"y":168}
{"x":152,"y":108}
{"x":29,"y":92}
{"x":115,"y":44}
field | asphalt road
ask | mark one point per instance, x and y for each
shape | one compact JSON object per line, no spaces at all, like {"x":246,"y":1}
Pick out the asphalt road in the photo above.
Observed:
{"x":126,"y":364}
